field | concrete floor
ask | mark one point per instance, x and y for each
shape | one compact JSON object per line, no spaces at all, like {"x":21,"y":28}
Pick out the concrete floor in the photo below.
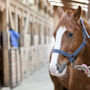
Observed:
{"x":39,"y":80}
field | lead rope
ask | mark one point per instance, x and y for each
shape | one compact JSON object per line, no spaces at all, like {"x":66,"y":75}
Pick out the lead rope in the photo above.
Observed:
{"x":84,"y":68}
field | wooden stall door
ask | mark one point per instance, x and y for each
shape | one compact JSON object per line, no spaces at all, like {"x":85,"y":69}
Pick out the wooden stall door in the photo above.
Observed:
{"x":15,"y":67}
{"x":15,"y":61}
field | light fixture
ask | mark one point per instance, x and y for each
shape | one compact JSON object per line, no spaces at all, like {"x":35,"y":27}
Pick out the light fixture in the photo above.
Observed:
{"x":82,"y":1}
{"x":84,"y":7}
{"x":56,"y":3}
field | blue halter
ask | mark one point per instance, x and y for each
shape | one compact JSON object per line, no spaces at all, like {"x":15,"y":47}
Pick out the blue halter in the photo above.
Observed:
{"x":72,"y":57}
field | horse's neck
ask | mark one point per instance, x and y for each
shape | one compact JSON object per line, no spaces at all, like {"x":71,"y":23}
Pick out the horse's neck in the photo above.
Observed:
{"x":86,"y":58}
{"x":86,"y":55}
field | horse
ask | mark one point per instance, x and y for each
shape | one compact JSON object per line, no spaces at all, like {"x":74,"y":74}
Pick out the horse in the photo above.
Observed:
{"x":69,"y":65}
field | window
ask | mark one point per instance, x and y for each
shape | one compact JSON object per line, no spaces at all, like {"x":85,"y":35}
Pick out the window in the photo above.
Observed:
{"x":45,"y":35}
{"x":39,"y":31}
{"x":32,"y":36}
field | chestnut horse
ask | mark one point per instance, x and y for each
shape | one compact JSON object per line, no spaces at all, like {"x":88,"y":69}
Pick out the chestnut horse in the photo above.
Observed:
{"x":71,"y":48}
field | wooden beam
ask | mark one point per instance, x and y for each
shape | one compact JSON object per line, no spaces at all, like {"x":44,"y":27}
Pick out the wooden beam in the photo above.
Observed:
{"x":16,"y":20}
{"x":84,"y":7}
{"x":27,"y":23}
{"x":5,"y":46}
{"x":81,"y":1}
{"x":25,"y":8}
{"x":2,"y":5}
{"x":89,"y":10}
{"x":21,"y":31}
{"x":11,"y":18}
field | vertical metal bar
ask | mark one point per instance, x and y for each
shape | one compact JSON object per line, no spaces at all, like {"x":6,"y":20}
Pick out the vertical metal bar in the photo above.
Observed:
{"x":10,"y":69}
{"x":20,"y":66}
{"x":16,"y":67}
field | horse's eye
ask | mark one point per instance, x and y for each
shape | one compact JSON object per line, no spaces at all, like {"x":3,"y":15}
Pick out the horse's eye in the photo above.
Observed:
{"x":69,"y":35}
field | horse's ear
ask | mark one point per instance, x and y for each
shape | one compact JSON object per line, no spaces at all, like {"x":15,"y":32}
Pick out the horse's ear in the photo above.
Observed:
{"x":60,"y":12}
{"x":77,"y":13}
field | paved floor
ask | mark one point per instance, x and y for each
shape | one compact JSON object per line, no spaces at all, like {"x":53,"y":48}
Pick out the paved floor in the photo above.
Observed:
{"x":40,"y":80}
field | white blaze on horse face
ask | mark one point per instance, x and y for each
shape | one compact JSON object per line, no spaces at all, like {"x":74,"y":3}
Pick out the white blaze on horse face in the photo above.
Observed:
{"x":57,"y":45}
{"x":59,"y":35}
{"x":52,"y":41}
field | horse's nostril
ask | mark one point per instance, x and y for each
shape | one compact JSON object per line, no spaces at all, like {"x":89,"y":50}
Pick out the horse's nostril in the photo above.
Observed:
{"x":58,"y":67}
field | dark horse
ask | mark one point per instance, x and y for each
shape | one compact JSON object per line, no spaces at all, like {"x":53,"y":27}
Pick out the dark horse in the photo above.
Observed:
{"x":72,"y":45}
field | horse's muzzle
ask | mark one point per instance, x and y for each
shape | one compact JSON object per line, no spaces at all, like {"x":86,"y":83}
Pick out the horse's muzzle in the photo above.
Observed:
{"x":60,"y":68}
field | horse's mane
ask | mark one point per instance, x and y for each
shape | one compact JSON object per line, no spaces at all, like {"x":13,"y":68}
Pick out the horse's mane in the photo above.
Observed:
{"x":86,"y":25}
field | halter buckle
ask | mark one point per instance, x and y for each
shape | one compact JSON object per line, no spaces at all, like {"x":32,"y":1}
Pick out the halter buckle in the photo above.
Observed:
{"x":72,"y":58}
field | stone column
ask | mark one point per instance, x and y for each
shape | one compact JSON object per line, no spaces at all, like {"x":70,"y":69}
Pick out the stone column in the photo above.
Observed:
{"x":36,"y":39}
{"x":21,"y":31}
{"x":30,"y":30}
{"x":47,"y":35}
{"x":42,"y":33}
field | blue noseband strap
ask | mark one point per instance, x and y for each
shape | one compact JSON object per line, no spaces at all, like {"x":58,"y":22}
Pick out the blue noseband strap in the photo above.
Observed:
{"x":72,"y":57}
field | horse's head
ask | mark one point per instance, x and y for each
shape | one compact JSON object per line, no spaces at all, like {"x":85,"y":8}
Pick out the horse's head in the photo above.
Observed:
{"x":68,"y":37}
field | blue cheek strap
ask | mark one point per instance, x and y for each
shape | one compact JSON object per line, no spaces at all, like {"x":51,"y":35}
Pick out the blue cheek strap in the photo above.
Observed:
{"x":72,"y":57}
